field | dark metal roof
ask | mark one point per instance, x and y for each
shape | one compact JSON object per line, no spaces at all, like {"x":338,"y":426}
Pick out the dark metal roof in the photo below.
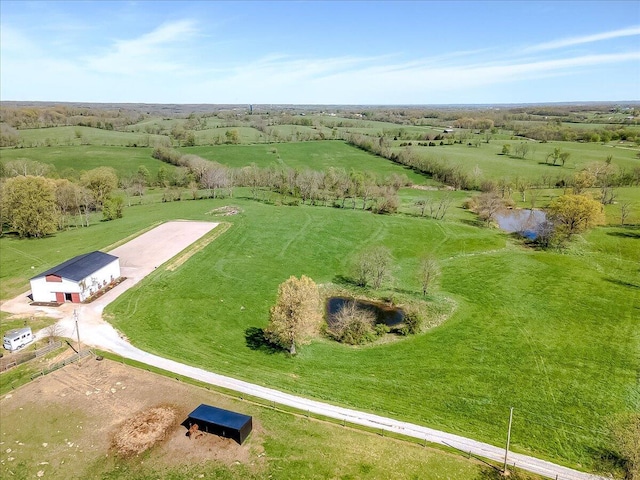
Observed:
{"x":80,"y":267}
{"x":207,"y":413}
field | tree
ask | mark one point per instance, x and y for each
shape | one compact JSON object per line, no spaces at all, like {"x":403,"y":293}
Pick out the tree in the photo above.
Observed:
{"x":486,"y":205}
{"x":232,"y":136}
{"x":112,"y":208}
{"x":373,"y":266}
{"x":522,"y":150}
{"x":506,"y":149}
{"x":296,"y":313}
{"x":625,"y":210}
{"x":24,"y":167}
{"x":428,"y":272}
{"x":572,"y":214}
{"x":67,"y":198}
{"x":29,"y":205}
{"x":101,"y":182}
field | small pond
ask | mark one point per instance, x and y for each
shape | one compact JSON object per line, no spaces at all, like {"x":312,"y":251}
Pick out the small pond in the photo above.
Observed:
{"x":390,"y":316}
{"x":523,"y":221}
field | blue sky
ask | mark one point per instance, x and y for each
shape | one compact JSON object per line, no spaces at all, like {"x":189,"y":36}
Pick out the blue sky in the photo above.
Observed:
{"x":315,"y":52}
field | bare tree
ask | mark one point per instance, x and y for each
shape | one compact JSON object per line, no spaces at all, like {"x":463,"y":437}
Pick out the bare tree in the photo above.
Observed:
{"x":625,"y":211}
{"x":373,"y":266}
{"x":443,"y":206}
{"x":428,"y":272}
{"x":353,"y":325}
{"x":53,"y":331}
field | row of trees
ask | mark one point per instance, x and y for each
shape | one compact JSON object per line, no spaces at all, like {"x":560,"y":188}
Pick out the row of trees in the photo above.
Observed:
{"x":335,"y":186}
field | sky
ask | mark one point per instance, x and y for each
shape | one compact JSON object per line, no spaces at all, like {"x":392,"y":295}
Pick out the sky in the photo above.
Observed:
{"x":320,"y":52}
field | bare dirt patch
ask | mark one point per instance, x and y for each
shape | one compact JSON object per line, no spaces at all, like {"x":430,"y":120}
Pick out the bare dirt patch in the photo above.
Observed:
{"x":144,"y":430}
{"x":225,"y":211}
{"x":65,"y":422}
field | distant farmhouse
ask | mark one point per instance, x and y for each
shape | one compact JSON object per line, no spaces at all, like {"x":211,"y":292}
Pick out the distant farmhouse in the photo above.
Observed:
{"x":77,"y":279}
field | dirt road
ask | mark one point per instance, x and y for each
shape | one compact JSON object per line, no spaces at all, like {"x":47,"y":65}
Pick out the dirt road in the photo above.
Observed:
{"x":149,"y":250}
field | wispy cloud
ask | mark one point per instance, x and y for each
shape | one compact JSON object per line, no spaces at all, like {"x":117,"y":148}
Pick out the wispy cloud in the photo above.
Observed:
{"x":151,"y":52}
{"x":569,"y":42}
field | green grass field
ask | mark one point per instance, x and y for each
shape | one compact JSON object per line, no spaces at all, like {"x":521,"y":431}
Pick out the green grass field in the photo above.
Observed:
{"x":553,"y":334}
{"x":67,"y":136}
{"x":319,"y":155}
{"x":493,"y":165}
{"x":86,"y":157}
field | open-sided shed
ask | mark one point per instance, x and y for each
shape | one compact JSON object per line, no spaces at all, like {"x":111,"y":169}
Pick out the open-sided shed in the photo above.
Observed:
{"x":221,"y":422}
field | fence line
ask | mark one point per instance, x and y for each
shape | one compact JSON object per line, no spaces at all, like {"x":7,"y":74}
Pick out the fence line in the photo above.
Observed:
{"x":72,"y":359}
{"x":24,"y":357}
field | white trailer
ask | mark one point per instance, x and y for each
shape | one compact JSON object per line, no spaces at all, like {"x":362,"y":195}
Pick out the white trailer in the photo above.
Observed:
{"x":17,"y":338}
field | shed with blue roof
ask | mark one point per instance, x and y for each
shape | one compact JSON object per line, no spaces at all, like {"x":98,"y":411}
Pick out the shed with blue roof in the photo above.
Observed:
{"x":224,"y":423}
{"x":77,"y":279}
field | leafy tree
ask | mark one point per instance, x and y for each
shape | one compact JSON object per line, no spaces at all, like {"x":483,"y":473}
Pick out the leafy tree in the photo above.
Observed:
{"x":232,"y":136}
{"x":295,"y":314}
{"x":29,"y":205}
{"x":112,"y":208}
{"x":143,"y":175}
{"x":572,"y":214}
{"x":101,"y":182}
{"x":506,"y":149}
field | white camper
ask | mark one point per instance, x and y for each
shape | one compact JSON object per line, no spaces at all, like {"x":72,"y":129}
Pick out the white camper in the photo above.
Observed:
{"x":17,"y":338}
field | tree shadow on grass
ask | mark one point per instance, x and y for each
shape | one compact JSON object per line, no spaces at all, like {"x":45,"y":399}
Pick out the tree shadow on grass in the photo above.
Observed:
{"x":622,"y":283}
{"x":631,"y":231}
{"x":346,"y":281}
{"x":255,"y":340}
{"x":474,"y":222}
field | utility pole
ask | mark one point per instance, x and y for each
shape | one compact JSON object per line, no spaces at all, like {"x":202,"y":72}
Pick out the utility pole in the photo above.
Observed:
{"x":75,"y":316}
{"x":506,"y":450}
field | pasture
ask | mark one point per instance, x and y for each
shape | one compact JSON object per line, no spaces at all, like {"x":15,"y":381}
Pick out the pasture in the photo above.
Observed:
{"x":533,"y":330}
{"x":551,"y":333}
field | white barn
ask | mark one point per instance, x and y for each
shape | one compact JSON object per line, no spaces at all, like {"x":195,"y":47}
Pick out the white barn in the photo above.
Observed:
{"x":77,"y":279}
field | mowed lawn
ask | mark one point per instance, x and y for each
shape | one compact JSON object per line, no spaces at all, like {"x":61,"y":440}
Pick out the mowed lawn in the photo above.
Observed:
{"x":552,"y":334}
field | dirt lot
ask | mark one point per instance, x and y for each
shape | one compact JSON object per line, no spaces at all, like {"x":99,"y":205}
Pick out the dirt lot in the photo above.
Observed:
{"x":75,"y":413}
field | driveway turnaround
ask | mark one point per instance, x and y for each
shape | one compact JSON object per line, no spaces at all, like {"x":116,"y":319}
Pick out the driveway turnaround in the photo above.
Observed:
{"x":144,"y":253}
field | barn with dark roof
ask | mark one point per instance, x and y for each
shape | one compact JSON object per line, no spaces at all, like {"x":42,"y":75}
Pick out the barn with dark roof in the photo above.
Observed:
{"x":77,"y":279}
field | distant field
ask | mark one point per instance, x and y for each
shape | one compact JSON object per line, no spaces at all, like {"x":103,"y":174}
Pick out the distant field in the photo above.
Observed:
{"x":86,"y":157}
{"x":64,"y":136}
{"x":314,"y":155}
{"x":493,"y":165}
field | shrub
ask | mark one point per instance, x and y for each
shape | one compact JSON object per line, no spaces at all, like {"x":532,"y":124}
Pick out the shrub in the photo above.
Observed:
{"x":355,"y":326}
